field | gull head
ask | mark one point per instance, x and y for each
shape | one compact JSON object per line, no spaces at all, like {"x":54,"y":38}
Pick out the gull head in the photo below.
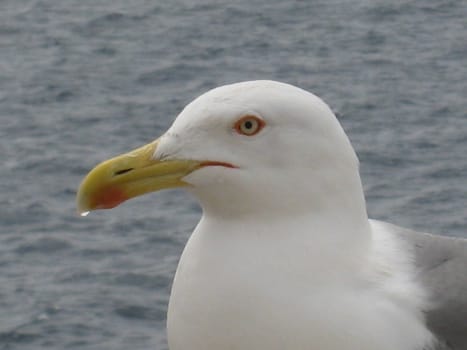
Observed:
{"x":251,"y":147}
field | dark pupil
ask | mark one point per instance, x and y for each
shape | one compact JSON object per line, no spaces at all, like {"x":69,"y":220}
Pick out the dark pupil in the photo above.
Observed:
{"x":248,"y":125}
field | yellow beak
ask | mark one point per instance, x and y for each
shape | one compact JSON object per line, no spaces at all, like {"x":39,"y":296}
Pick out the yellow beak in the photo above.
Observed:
{"x":129,"y":175}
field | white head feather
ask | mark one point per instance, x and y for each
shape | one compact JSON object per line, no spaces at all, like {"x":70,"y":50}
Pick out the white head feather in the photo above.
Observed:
{"x":284,"y":256}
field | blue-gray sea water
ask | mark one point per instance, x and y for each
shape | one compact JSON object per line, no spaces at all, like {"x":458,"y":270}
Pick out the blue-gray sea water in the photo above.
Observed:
{"x":81,"y":81}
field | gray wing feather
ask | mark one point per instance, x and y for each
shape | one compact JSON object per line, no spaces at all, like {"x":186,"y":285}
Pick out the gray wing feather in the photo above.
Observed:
{"x":442,"y":268}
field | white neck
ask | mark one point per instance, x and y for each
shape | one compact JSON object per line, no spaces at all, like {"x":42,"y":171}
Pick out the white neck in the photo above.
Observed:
{"x":283,"y":244}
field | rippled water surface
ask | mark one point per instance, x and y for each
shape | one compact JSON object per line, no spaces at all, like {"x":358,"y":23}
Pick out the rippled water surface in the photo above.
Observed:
{"x":81,"y":81}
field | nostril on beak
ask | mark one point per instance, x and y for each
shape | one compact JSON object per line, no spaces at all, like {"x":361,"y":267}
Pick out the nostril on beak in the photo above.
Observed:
{"x":123,"y":171}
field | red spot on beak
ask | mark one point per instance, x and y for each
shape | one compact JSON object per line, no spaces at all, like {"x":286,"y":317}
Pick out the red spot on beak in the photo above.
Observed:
{"x":109,"y":198}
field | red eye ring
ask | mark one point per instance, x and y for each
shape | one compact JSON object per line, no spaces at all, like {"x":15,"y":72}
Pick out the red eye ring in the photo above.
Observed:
{"x":249,"y":125}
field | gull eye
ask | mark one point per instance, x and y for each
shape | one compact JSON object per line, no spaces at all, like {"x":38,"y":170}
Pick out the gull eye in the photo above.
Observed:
{"x":249,"y":125}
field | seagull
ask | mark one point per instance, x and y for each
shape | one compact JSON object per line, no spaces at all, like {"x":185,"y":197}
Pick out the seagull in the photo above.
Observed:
{"x":284,"y":255}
